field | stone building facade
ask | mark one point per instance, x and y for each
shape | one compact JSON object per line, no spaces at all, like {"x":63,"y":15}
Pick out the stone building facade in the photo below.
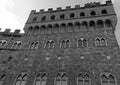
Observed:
{"x":71,"y":46}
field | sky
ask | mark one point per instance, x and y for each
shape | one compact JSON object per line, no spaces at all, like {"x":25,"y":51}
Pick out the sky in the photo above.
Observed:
{"x":14,"y":13}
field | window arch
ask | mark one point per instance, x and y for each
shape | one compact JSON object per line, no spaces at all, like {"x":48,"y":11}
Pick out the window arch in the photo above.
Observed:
{"x":49,"y":29}
{"x":65,"y":44}
{"x":62,"y":16}
{"x":62,"y":28}
{"x":61,"y":79}
{"x":92,"y":13}
{"x":40,"y":79}
{"x":43,"y":29}
{"x":2,"y":79}
{"x":3,"y":43}
{"x":70,"y":27}
{"x":21,"y":79}
{"x":82,"y":14}
{"x":76,"y":26}
{"x":43,"y":18}
{"x":56,"y":28}
{"x":50,"y":44}
{"x":82,"y":43}
{"x":53,"y":17}
{"x":100,"y":42}
{"x":34,"y":45}
{"x":30,"y":28}
{"x":36,"y":28}
{"x":72,"y":15}
{"x":83,"y":79}
{"x":100,"y":24}
{"x":84,"y":25}
{"x":108,"y":80}
{"x":34,"y":19}
{"x":92,"y":24}
{"x":104,"y":11}
{"x":108,"y":23}
{"x":17,"y":45}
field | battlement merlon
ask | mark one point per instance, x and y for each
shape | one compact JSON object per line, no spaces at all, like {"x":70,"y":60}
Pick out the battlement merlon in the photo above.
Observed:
{"x":91,"y":4}
{"x":8,"y":32}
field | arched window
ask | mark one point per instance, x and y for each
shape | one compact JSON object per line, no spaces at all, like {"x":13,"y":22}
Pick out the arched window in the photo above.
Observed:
{"x":34,"y":45}
{"x":3,"y":43}
{"x":85,"y":43}
{"x":63,"y":44}
{"x":97,"y":42}
{"x":53,"y":17}
{"x":36,"y":28}
{"x":40,"y":79}
{"x":80,"y":43}
{"x":21,"y":79}
{"x":43,"y":29}
{"x":62,"y":16}
{"x":77,"y":27}
{"x":104,"y":11}
{"x":2,"y":79}
{"x":92,"y":13}
{"x":82,"y":14}
{"x":103,"y":42}
{"x":108,"y":80}
{"x":62,"y":28}
{"x":92,"y":24}
{"x":49,"y":29}
{"x":108,"y":23}
{"x":52,"y":44}
{"x":72,"y":15}
{"x":61,"y":79}
{"x":84,"y":25}
{"x":56,"y":28}
{"x":17,"y":45}
{"x":70,"y":27}
{"x":100,"y":24}
{"x":43,"y":18}
{"x":34,"y":19}
{"x":67,"y":43}
{"x":83,"y":79}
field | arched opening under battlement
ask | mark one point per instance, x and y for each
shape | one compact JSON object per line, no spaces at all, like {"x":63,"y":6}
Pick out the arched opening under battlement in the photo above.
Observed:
{"x":43,"y":29}
{"x":62,"y":28}
{"x":92,"y":25}
{"x":56,"y":28}
{"x":100,"y":24}
{"x":70,"y":27}
{"x":77,"y":26}
{"x":84,"y":26}
{"x":72,"y":15}
{"x":108,"y":23}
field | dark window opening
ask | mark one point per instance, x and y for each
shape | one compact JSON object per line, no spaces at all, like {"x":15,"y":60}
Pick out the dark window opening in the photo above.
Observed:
{"x":72,"y":15}
{"x":104,"y":11}
{"x":93,"y":13}
{"x":43,"y":18}
{"x":53,"y":17}
{"x":82,"y":14}
{"x":62,"y":16}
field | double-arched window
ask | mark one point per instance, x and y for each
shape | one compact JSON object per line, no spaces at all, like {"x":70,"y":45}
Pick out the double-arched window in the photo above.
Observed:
{"x":108,"y":80}
{"x":61,"y":79}
{"x":83,"y":79}
{"x":21,"y":79}
{"x":3,"y":43}
{"x":34,"y":45}
{"x":50,"y":44}
{"x":65,"y":44}
{"x":82,"y":43}
{"x":40,"y":79}
{"x":100,"y":42}
{"x":17,"y":45}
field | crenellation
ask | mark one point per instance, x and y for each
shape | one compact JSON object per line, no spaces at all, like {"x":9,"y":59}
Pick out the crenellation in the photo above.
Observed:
{"x":42,"y":10}
{"x":33,"y":12}
{"x":7,"y":30}
{"x":77,"y":6}
{"x":68,"y":7}
{"x":50,"y":9}
{"x":59,"y":8}
{"x":16,"y":31}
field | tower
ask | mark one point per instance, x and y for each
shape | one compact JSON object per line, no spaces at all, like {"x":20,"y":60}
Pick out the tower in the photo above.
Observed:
{"x":71,"y":46}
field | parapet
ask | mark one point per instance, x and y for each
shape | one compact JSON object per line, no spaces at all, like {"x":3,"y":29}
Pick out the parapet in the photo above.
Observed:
{"x":9,"y":33}
{"x":91,"y":4}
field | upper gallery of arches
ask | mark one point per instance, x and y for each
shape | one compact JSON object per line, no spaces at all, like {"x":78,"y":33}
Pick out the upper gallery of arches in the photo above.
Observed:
{"x":95,"y":11}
